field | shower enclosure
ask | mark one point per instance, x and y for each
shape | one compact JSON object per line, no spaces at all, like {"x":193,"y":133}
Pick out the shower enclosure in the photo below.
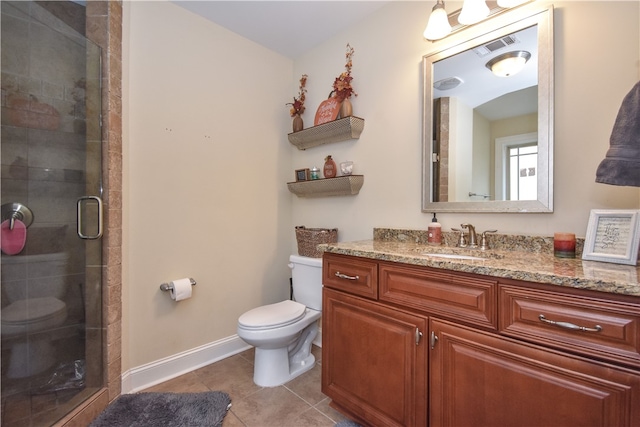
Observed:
{"x":51,"y":162}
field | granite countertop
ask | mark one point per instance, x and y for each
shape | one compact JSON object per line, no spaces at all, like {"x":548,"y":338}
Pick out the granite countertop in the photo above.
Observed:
{"x":527,"y":258}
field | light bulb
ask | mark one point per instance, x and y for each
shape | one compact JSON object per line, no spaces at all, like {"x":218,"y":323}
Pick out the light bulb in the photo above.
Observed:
{"x":473,"y":11}
{"x":438,"y":25}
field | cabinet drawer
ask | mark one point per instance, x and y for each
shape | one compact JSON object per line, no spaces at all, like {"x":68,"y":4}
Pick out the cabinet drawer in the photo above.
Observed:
{"x":599,"y":328}
{"x":454,"y":296}
{"x":357,"y":276}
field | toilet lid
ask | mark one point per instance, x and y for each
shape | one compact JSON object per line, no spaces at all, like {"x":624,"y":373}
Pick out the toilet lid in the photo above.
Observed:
{"x":278,"y":314}
{"x":31,"y":310}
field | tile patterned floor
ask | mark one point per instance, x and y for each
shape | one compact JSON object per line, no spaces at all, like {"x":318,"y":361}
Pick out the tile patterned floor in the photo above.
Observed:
{"x":298,"y":403}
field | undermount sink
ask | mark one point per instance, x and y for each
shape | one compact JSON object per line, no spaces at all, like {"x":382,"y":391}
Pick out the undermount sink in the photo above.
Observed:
{"x":456,"y":253}
{"x":454,"y":256}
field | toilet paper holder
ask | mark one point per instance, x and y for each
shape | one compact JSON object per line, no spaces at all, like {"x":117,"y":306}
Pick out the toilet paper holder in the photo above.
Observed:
{"x":169,"y":286}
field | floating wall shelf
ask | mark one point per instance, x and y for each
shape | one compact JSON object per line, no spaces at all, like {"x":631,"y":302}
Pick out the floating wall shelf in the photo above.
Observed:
{"x":335,"y":131}
{"x":339,"y":186}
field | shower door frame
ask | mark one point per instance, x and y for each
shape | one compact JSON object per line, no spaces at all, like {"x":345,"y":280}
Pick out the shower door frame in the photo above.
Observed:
{"x":104,"y":28}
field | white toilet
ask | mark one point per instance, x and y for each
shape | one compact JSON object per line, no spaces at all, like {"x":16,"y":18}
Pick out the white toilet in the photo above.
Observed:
{"x":282,"y":333}
{"x":35,"y":305}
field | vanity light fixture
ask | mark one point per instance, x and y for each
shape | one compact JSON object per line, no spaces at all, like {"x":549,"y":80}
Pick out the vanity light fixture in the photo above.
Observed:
{"x":473,"y":11}
{"x":510,"y":3}
{"x":438,"y":25}
{"x":508,"y":64}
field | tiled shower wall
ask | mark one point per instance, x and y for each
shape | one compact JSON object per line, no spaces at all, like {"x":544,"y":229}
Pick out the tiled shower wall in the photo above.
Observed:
{"x":442,"y":136}
{"x":104,"y":28}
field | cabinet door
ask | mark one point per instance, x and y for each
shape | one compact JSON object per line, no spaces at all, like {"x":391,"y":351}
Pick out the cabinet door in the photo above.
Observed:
{"x":478,"y":379}
{"x":374,"y":363}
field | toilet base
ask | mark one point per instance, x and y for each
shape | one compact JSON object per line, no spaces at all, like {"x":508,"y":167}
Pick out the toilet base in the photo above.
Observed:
{"x":30,"y":358}
{"x":274,"y":367}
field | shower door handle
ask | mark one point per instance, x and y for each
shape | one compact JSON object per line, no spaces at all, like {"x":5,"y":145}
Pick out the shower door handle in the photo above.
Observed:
{"x":80,"y":204}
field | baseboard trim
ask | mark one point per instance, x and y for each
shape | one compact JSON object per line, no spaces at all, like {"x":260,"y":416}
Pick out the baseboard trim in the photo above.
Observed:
{"x":161,"y":370}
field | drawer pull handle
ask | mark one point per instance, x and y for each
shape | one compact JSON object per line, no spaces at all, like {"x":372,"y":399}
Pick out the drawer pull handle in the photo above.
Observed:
{"x":571,"y":326}
{"x":344,"y":276}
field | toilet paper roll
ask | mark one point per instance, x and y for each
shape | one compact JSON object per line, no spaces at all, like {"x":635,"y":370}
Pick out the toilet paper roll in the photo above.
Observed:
{"x":180,"y":289}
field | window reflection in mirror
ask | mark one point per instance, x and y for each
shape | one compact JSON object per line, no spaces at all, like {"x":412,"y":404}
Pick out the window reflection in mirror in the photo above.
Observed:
{"x":491,"y":136}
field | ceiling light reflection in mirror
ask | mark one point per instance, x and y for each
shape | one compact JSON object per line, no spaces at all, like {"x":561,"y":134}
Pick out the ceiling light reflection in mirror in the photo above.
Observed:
{"x":509,"y":64}
{"x":477,"y":85}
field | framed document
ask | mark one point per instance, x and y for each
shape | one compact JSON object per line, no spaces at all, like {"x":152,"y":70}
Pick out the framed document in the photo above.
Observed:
{"x":303,"y":175}
{"x":613,"y":236}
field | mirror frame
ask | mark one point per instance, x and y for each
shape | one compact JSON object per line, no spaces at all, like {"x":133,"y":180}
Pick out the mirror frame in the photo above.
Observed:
{"x":499,"y":26}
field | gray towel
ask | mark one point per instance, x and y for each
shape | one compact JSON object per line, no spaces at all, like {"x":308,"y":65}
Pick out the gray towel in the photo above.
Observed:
{"x":621,"y":165}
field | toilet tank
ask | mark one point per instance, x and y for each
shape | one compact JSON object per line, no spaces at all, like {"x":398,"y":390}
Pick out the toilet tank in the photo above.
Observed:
{"x":48,"y":276}
{"x":306,"y":274}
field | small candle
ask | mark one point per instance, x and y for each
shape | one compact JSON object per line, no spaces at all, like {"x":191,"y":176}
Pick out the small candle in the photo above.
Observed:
{"x":564,"y":245}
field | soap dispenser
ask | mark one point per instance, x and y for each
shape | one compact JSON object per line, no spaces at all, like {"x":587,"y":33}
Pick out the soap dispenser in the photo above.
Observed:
{"x":434,"y":230}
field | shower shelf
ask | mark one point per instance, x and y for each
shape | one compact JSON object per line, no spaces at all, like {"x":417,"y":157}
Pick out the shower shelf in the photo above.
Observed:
{"x":339,"y":186}
{"x":335,"y":131}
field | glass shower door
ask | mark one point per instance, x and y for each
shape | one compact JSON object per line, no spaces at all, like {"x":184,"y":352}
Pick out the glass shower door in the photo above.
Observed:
{"x":51,"y":292}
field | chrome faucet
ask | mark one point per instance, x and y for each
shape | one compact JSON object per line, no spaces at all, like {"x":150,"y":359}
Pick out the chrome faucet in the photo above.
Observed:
{"x":473,"y":239}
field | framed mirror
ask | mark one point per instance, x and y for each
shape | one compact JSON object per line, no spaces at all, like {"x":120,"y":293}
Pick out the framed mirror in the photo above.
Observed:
{"x":488,"y":130}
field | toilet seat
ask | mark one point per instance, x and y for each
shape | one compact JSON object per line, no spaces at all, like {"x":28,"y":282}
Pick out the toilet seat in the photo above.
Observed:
{"x":272,"y":315}
{"x":32,"y":315}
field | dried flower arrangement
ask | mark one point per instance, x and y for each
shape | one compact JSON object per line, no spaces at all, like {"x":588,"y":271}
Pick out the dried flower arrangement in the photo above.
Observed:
{"x":342,"y":85}
{"x":297,"y":106}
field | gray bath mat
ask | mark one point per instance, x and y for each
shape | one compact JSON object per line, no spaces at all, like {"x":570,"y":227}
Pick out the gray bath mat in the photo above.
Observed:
{"x":347,"y":423}
{"x":205,"y":409}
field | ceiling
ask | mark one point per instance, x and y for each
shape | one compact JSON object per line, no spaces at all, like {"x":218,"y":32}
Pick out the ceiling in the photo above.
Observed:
{"x":288,"y":27}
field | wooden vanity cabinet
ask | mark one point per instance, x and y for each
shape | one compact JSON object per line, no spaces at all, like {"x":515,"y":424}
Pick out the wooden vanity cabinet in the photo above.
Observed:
{"x":485,"y":357}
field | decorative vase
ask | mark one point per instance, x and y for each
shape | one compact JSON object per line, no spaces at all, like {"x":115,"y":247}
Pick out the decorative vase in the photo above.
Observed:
{"x":298,"y":125}
{"x":346,"y":109}
{"x":330,"y":170}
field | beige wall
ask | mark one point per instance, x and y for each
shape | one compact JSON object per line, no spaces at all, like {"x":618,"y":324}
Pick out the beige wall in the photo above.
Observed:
{"x":207,"y":158}
{"x":206,"y":162}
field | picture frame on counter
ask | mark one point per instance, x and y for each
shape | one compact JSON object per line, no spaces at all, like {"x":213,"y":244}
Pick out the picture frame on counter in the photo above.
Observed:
{"x":613,"y":236}
{"x":303,"y":175}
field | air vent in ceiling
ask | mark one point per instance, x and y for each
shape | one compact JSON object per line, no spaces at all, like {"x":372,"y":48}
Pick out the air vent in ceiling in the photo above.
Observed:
{"x":495,"y":45}
{"x":448,"y":83}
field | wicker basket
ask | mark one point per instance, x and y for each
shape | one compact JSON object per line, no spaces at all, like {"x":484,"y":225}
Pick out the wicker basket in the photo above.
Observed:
{"x":310,"y":238}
